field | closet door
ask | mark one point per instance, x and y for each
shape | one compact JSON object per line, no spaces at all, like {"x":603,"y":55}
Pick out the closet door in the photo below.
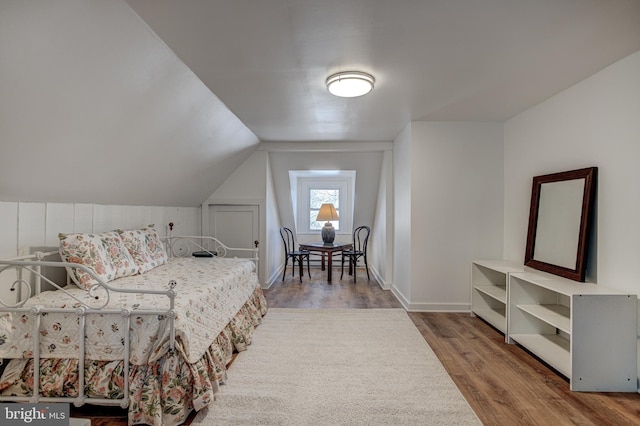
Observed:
{"x":235,"y":226}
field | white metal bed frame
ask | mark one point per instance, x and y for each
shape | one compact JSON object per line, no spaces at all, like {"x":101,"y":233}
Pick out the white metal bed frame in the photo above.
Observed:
{"x":177,"y":246}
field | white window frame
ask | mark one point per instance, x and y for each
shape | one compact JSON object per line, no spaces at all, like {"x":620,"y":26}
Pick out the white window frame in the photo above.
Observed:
{"x":302,"y":181}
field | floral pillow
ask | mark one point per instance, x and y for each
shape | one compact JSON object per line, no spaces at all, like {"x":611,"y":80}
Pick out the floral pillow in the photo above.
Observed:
{"x":122,"y":261}
{"x":89,"y":250}
{"x":155,"y":247}
{"x":136,"y":241}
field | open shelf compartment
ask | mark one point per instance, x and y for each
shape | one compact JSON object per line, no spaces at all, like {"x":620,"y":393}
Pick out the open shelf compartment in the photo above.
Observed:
{"x":489,"y":290}
{"x":587,"y":332}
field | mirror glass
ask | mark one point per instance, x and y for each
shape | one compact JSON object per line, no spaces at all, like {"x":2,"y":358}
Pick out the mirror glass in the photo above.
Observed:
{"x":558,"y":231}
{"x":559,"y":222}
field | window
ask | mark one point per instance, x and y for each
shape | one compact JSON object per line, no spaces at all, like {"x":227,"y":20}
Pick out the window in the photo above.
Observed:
{"x":311,"y":188}
{"x":318,"y":197}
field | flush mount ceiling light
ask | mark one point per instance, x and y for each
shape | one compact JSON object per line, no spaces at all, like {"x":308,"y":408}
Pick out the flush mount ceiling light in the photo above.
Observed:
{"x":349,"y":84}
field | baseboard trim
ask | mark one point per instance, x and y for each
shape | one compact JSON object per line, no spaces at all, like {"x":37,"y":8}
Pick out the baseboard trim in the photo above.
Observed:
{"x":430,"y":307}
{"x":379,"y":279}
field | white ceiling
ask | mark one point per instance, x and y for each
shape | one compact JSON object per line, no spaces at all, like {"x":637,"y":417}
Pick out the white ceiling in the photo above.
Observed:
{"x":469,"y":60}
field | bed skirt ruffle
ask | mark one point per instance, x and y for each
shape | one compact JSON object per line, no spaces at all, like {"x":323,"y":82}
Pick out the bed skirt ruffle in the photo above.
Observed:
{"x":161,"y":393}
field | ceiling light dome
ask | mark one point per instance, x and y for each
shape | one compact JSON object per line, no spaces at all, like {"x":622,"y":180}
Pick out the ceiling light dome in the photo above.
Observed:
{"x":349,"y":84}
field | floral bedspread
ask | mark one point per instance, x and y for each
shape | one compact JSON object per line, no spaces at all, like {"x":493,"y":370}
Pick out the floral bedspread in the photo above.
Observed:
{"x":162,"y":393}
{"x":210,"y":291}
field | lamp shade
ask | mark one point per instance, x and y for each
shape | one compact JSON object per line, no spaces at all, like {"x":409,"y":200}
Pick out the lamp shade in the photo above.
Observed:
{"x":327,"y":212}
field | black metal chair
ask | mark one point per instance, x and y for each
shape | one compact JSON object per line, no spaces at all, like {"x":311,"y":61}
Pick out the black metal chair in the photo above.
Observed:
{"x":293,"y":254}
{"x":360,"y":241}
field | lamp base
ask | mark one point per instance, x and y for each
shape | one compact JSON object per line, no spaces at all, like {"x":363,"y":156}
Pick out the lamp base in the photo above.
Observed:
{"x":328,"y":233}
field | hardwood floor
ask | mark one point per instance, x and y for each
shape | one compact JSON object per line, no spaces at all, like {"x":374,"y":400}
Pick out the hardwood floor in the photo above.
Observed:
{"x":316,"y":293}
{"x":503,"y":383}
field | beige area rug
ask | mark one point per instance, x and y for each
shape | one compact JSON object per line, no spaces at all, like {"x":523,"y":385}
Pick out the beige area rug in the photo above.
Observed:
{"x":338,"y":367}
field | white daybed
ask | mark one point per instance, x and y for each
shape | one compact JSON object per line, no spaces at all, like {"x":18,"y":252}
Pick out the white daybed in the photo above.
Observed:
{"x":153,"y":337}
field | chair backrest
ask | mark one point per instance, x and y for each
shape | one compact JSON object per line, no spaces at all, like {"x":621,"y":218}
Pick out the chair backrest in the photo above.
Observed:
{"x":361,"y":238}
{"x":288,"y":239}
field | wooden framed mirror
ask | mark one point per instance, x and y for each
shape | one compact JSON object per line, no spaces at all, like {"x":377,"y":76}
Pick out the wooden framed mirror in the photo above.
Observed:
{"x":560,"y":221}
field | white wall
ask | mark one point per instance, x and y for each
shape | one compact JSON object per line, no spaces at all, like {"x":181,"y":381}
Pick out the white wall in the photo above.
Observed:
{"x":594,"y":123}
{"x":449,"y":210}
{"x":247,"y":182}
{"x":364,"y":158}
{"x":380,"y":253}
{"x":273,"y":246}
{"x":29,"y":227}
{"x":402,"y":238}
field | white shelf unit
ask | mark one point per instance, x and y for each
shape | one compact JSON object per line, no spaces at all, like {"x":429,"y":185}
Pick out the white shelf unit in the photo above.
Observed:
{"x":585,"y":331}
{"x":489,"y":290}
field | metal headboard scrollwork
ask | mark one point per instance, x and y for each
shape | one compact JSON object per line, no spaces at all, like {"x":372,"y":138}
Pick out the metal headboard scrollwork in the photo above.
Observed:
{"x":185,"y":245}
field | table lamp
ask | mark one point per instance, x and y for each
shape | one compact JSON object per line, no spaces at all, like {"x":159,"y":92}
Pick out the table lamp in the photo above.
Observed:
{"x":328,"y":212}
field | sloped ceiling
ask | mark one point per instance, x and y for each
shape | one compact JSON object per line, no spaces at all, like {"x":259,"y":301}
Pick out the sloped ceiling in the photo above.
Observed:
{"x":156,"y":102}
{"x":462,"y":60}
{"x":95,"y":108}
